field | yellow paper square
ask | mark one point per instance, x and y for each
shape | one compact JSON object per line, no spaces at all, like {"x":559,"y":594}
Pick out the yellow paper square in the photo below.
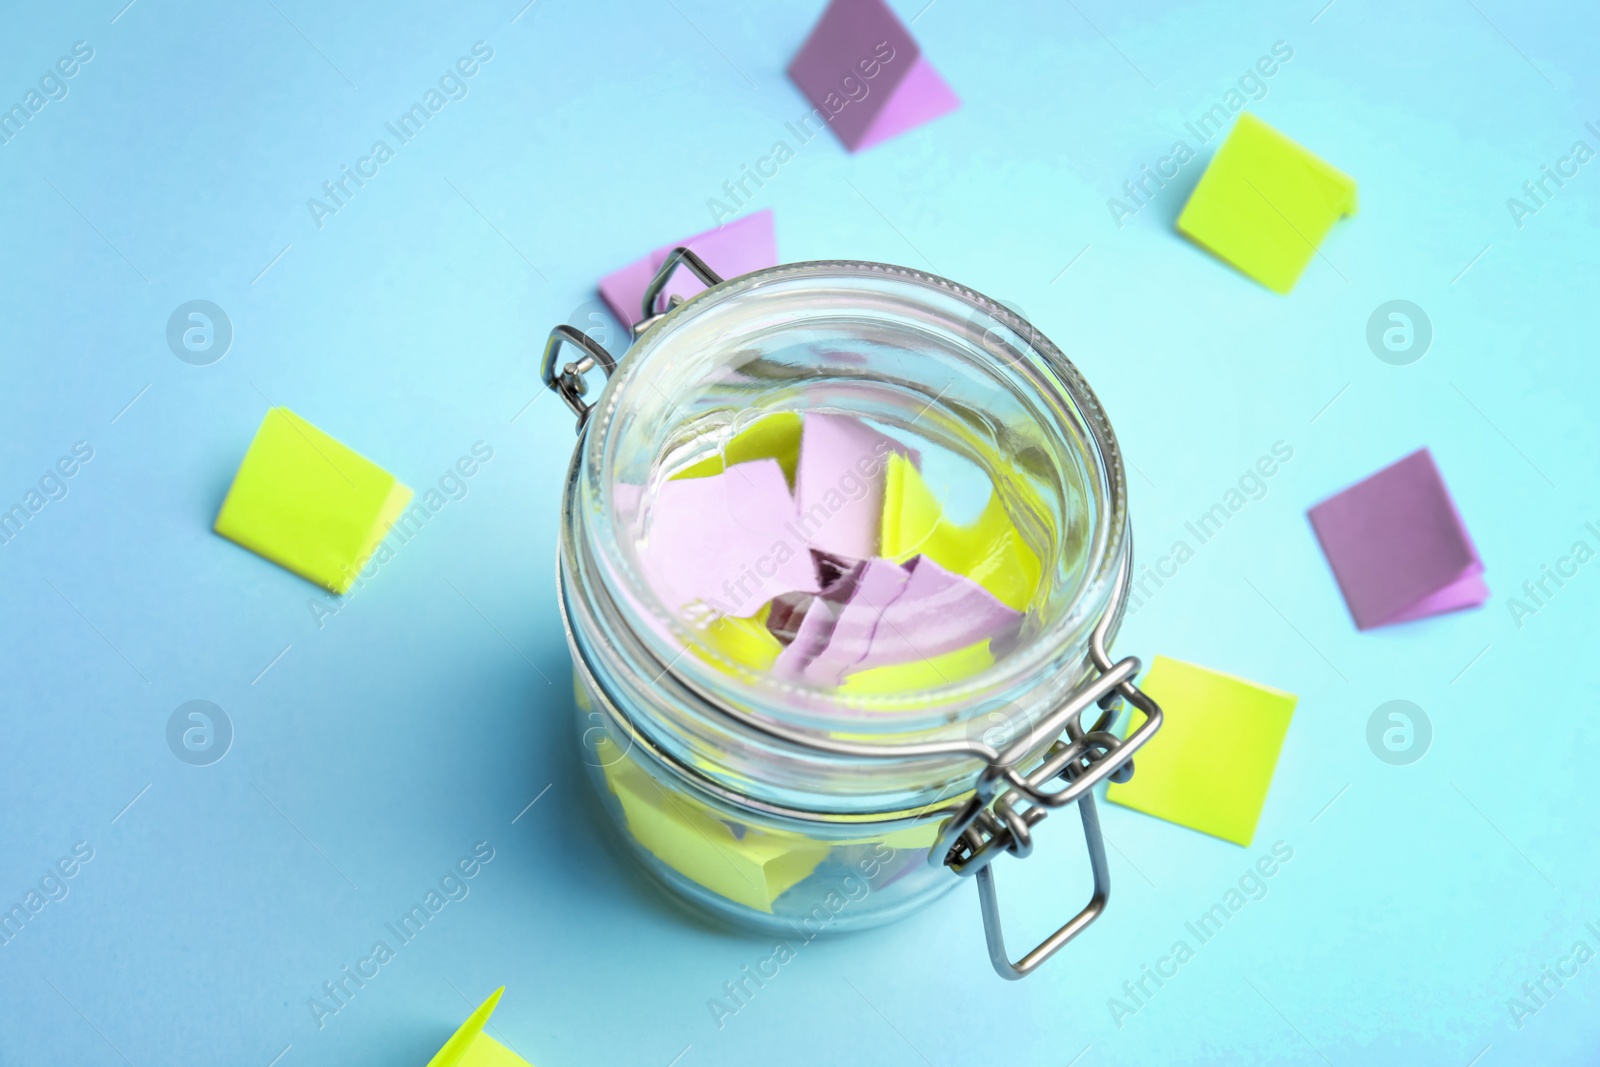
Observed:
{"x":1210,"y":765}
{"x":753,"y":868}
{"x":744,"y":641}
{"x":487,"y":1052}
{"x":1264,"y":204}
{"x":914,"y":838}
{"x":469,"y":1046}
{"x":308,"y":503}
{"x":989,"y":550}
{"x":775,"y":436}
{"x":930,"y":673}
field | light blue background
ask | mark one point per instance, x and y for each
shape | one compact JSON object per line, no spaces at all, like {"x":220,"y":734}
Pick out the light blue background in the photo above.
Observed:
{"x":430,"y":711}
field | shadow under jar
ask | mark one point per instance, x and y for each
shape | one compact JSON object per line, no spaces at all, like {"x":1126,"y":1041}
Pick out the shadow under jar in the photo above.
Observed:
{"x":771,"y":798}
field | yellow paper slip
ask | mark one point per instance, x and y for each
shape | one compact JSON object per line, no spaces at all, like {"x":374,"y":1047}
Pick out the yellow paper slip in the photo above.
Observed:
{"x":917,"y":838}
{"x":930,"y":673}
{"x":990,"y":551}
{"x":471,"y":1047}
{"x":1264,"y":204}
{"x":775,"y":436}
{"x":1210,"y":765}
{"x":745,"y":641}
{"x":751,"y":867}
{"x":308,"y":503}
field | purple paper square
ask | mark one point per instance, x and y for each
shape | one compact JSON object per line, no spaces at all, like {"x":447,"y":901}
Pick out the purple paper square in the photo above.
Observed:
{"x":734,"y":248}
{"x":720,"y":542}
{"x":922,"y":97}
{"x":850,"y":67}
{"x":894,"y":614}
{"x":938,"y":612}
{"x":839,"y":483}
{"x":1398,"y":547}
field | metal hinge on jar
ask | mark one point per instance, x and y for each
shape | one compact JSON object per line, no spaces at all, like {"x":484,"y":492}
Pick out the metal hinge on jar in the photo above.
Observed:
{"x":569,"y":382}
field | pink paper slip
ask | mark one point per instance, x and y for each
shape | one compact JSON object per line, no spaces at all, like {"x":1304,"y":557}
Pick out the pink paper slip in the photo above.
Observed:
{"x":922,"y":97}
{"x":722,"y":541}
{"x":734,"y":248}
{"x":864,"y":73}
{"x":839,"y":483}
{"x":937,"y":612}
{"x":895,"y":614}
{"x":1398,"y":547}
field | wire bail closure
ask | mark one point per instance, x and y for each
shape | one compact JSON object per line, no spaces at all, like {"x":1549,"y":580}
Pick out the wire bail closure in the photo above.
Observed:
{"x":680,"y":256}
{"x":1005,"y":804}
{"x":992,"y":823}
{"x":569,"y":383}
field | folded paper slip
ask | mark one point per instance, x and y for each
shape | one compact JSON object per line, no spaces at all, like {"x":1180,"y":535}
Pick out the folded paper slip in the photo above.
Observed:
{"x":775,"y":436}
{"x":1210,"y":765}
{"x":471,"y":1047}
{"x":1264,"y":204}
{"x":726,"y":533}
{"x":747,"y":642}
{"x":732,"y":249}
{"x":989,"y":550}
{"x":308,"y":503}
{"x":1398,"y":547}
{"x":748,"y":866}
{"x":726,"y":541}
{"x":839,"y":483}
{"x":889,"y":614}
{"x":866,"y":77}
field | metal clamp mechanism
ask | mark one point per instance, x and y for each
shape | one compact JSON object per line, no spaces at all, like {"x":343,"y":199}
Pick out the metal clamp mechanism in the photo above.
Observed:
{"x":679,"y":256}
{"x":1006,"y":805}
{"x":569,"y":383}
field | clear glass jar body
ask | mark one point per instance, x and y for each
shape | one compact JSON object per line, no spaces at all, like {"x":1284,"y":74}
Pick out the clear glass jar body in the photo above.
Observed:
{"x":766,"y":831}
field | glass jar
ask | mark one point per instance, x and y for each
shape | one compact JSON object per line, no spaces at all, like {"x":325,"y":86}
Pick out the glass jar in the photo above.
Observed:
{"x":793,"y":807}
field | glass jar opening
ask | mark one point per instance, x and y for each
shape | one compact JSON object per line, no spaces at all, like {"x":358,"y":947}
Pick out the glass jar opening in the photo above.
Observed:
{"x":967,"y":403}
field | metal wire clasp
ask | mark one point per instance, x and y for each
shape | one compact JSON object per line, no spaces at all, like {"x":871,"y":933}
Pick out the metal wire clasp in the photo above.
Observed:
{"x":569,"y":382}
{"x":1006,"y":804}
{"x":680,"y":256}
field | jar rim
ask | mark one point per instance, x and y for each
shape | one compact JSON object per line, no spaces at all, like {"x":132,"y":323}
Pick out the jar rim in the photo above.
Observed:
{"x":1019,"y":669}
